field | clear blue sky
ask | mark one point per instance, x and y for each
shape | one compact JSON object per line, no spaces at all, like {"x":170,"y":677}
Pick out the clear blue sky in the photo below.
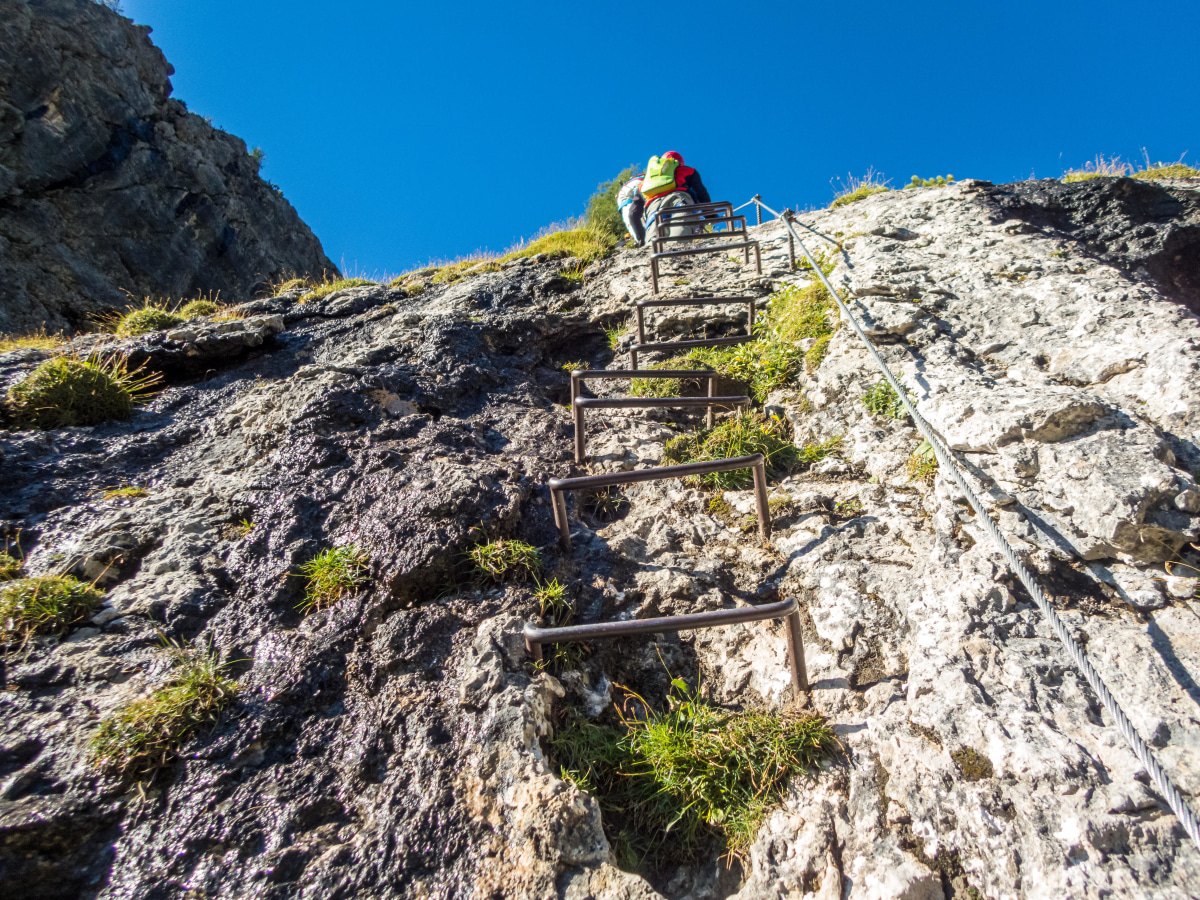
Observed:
{"x":408,"y":131}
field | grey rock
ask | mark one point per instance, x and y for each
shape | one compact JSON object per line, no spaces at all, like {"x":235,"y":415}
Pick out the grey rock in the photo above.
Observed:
{"x":109,"y":186}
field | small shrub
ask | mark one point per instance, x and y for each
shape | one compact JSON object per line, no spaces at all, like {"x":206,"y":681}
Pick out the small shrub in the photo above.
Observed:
{"x":126,"y":493}
{"x":505,"y":559}
{"x":671,"y":784}
{"x":34,"y":340}
{"x":326,"y":288}
{"x":151,"y":316}
{"x":553,"y":602}
{"x":922,"y":465}
{"x":69,"y":391}
{"x":602,"y":213}
{"x":333,"y":574}
{"x":855,"y":189}
{"x":936,"y":181}
{"x":811,"y":454}
{"x":882,"y":400}
{"x":146,"y":735}
{"x":746,"y":433}
{"x":973,"y":764}
{"x":45,"y":604}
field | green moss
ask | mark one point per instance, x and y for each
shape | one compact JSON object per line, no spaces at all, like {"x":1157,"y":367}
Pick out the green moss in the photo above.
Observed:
{"x":69,"y":391}
{"x":503,"y":559}
{"x":147,"y":735}
{"x":673,"y":785}
{"x":746,"y":433}
{"x":973,"y":764}
{"x":333,"y":574}
{"x":718,"y":507}
{"x":45,"y":604}
{"x":149,"y":317}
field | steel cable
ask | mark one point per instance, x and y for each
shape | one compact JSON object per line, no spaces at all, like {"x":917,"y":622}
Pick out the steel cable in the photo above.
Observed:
{"x":1187,"y":817}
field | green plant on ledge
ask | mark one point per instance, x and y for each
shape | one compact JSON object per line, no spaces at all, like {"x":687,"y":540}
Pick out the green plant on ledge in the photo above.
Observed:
{"x":71,"y":391}
{"x":675,"y":784}
{"x":333,"y":574}
{"x":855,"y":189}
{"x":44,"y":604}
{"x":746,"y":433}
{"x":147,"y":734}
{"x":504,"y":559}
{"x":882,"y":400}
{"x":937,"y":181}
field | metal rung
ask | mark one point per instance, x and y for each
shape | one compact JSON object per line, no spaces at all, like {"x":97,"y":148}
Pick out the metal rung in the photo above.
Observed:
{"x":691,"y":301}
{"x":756,"y":462}
{"x":786,"y":609}
{"x":668,"y":346}
{"x":691,"y":251}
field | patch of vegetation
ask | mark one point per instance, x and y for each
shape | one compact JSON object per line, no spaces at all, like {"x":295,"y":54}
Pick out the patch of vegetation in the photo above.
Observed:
{"x":10,"y":567}
{"x":146,"y":736}
{"x":1115,"y":167}
{"x":504,"y":559}
{"x":666,"y":387}
{"x":816,"y":353}
{"x":1168,"y":170}
{"x":718,"y":507}
{"x":553,"y":602}
{"x":810,"y":454}
{"x":195,"y":309}
{"x":613,"y":335}
{"x":936,"y":181}
{"x":34,"y":340}
{"x":973,"y":764}
{"x":882,"y":400}
{"x":332,"y":574}
{"x":586,"y":243}
{"x":922,"y":465}
{"x":288,"y":285}
{"x":150,"y":316}
{"x":602,"y":212}
{"x":576,"y":274}
{"x":325,"y":288}
{"x":603,"y":505}
{"x":128,"y":492}
{"x":69,"y":391}
{"x":854,"y":189}
{"x":848,"y":508}
{"x":673,"y":784}
{"x":746,"y":433}
{"x":578,"y":366}
{"x":44,"y":604}
{"x":237,"y":531}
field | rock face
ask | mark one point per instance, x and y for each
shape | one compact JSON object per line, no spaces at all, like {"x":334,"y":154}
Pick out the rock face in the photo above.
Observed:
{"x":393,"y":744}
{"x":109,"y":188}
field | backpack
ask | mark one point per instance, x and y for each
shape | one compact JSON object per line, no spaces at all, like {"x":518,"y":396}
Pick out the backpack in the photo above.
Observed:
{"x":660,"y":176}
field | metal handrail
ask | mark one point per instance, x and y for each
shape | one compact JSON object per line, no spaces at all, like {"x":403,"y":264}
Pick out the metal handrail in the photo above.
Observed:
{"x":693,"y":251}
{"x":692,"y":301}
{"x":755,"y":462}
{"x":785,"y":609}
{"x":949,"y":464}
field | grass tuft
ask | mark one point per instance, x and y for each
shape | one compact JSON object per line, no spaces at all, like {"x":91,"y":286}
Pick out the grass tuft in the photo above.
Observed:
{"x":854,"y":189}
{"x":34,"y":340}
{"x":613,"y":335}
{"x":44,"y":604}
{"x":325,"y":288}
{"x":503,"y":559}
{"x":671,"y":784}
{"x":195,"y":309}
{"x":1115,"y":167}
{"x":810,"y":454}
{"x":746,"y":433}
{"x":147,"y":734}
{"x":10,"y":567}
{"x":553,"y":602}
{"x":69,"y":391}
{"x":333,"y":574}
{"x":150,"y":316}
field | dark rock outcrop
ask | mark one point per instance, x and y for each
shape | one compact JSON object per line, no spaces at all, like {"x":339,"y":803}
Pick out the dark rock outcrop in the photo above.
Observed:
{"x":109,"y":188}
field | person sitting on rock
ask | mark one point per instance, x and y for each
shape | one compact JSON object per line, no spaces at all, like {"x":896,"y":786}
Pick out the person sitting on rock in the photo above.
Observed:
{"x":669,"y":183}
{"x":631,"y":206}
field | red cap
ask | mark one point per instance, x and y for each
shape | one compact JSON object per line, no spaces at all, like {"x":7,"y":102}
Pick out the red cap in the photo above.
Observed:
{"x":675,"y":156}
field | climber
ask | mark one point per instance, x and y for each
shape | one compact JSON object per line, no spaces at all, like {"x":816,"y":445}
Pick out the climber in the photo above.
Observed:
{"x":669,"y":183}
{"x":631,"y":205}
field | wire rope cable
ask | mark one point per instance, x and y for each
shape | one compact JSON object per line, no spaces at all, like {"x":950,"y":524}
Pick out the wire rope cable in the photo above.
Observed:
{"x":1183,"y":811}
